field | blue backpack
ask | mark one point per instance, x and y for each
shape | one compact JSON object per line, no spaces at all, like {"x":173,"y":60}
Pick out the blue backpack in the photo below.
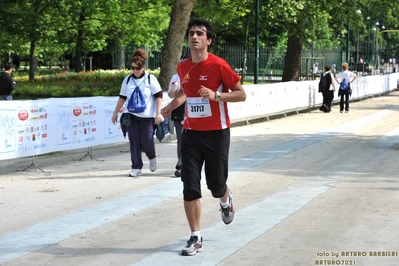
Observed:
{"x":137,"y":103}
{"x":344,"y":85}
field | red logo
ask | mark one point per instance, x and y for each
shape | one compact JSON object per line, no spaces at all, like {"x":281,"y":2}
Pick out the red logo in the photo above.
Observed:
{"x":23,"y":115}
{"x":77,"y":111}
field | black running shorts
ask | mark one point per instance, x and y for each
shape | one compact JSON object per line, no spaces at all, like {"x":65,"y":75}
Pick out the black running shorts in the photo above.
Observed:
{"x":211,"y":148}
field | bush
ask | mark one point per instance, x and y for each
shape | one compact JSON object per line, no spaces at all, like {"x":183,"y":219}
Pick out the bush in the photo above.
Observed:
{"x":71,"y":84}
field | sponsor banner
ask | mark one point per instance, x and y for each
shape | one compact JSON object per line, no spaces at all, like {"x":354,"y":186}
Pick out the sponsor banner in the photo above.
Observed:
{"x":267,"y":99}
{"x":43,"y":126}
{"x":35,"y":127}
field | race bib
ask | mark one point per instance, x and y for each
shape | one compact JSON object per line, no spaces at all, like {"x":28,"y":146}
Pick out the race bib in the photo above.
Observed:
{"x":198,"y":107}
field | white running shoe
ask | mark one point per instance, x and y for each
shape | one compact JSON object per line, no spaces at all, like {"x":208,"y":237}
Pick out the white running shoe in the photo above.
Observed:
{"x":135,"y":172}
{"x":193,"y":246}
{"x":153,"y":164}
{"x":228,"y":213}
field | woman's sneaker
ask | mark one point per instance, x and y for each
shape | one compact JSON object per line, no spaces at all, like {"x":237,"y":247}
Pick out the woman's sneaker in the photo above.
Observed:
{"x":228,"y":213}
{"x":153,"y":164}
{"x":193,"y":246}
{"x":135,"y":172}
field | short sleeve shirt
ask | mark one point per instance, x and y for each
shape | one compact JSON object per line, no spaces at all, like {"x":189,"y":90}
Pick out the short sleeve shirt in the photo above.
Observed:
{"x":213,"y":73}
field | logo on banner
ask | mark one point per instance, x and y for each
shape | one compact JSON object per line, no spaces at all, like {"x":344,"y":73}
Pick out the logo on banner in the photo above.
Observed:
{"x":77,"y":111}
{"x":23,"y":115}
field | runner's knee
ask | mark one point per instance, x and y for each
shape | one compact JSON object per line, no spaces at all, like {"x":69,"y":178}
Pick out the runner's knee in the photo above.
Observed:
{"x":218,"y":193}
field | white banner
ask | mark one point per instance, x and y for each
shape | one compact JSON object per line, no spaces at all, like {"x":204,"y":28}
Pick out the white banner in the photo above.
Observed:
{"x":35,"y":127}
{"x":42,"y":126}
{"x":267,"y":99}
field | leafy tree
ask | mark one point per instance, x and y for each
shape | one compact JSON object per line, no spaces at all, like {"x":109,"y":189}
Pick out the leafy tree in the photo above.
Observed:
{"x":80,"y":26}
{"x":94,"y":24}
{"x":328,"y":24}
{"x":27,"y":22}
{"x":303,"y":24}
{"x":232,"y":22}
{"x":173,"y":43}
{"x":49,"y":28}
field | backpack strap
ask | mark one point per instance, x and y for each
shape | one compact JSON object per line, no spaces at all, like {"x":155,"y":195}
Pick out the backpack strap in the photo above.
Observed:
{"x":149,"y":80}
{"x":128,"y":79}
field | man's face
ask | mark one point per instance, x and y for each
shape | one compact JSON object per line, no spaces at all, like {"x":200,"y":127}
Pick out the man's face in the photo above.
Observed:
{"x":197,"y":38}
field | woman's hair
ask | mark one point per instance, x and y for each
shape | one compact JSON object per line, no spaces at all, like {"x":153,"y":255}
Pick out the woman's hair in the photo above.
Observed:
{"x":345,"y":66}
{"x":8,"y":66}
{"x":327,"y":68}
{"x":139,"y":57}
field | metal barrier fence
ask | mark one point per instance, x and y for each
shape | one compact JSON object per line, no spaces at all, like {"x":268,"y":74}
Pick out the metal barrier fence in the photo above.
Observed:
{"x":271,"y":60}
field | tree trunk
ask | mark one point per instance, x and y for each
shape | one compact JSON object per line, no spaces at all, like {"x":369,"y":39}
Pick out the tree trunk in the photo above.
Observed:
{"x":244,"y":61}
{"x":292,"y":63}
{"x":32,"y":61}
{"x":79,"y":43}
{"x":173,"y":44}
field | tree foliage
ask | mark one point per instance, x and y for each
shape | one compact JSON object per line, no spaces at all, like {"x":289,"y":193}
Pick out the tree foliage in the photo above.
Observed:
{"x":52,"y":28}
{"x":47,"y":29}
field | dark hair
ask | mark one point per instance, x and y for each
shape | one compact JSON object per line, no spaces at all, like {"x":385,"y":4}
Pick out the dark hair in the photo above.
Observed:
{"x":139,"y":57}
{"x":327,"y":68}
{"x":8,"y":66}
{"x":199,"y":22}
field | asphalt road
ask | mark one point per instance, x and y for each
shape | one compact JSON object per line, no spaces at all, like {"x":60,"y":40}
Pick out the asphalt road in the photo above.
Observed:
{"x":309,"y":189}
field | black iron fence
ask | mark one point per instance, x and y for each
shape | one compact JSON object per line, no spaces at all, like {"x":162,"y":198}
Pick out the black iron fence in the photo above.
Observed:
{"x":271,"y":60}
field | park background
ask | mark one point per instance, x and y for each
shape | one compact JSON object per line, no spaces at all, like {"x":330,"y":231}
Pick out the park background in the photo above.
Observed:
{"x":68,"y":49}
{"x":264,"y":41}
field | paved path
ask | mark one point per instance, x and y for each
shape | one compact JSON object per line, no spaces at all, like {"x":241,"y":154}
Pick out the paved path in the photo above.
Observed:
{"x":309,"y":189}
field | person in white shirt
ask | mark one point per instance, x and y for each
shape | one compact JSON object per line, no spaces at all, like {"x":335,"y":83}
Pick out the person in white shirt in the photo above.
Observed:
{"x":345,"y":77}
{"x":177,"y":115}
{"x":140,"y":124}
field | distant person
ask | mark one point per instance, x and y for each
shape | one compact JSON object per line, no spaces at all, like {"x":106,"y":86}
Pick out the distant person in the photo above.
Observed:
{"x":16,"y":61}
{"x":351,"y":63}
{"x":177,"y":115}
{"x":328,"y":90}
{"x":334,"y":68}
{"x":344,"y":79}
{"x":360,"y":66}
{"x":7,"y":84}
{"x":315,"y":68}
{"x":140,"y":125}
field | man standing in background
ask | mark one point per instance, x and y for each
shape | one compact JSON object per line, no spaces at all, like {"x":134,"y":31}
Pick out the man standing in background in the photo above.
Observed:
{"x":7,"y":84}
